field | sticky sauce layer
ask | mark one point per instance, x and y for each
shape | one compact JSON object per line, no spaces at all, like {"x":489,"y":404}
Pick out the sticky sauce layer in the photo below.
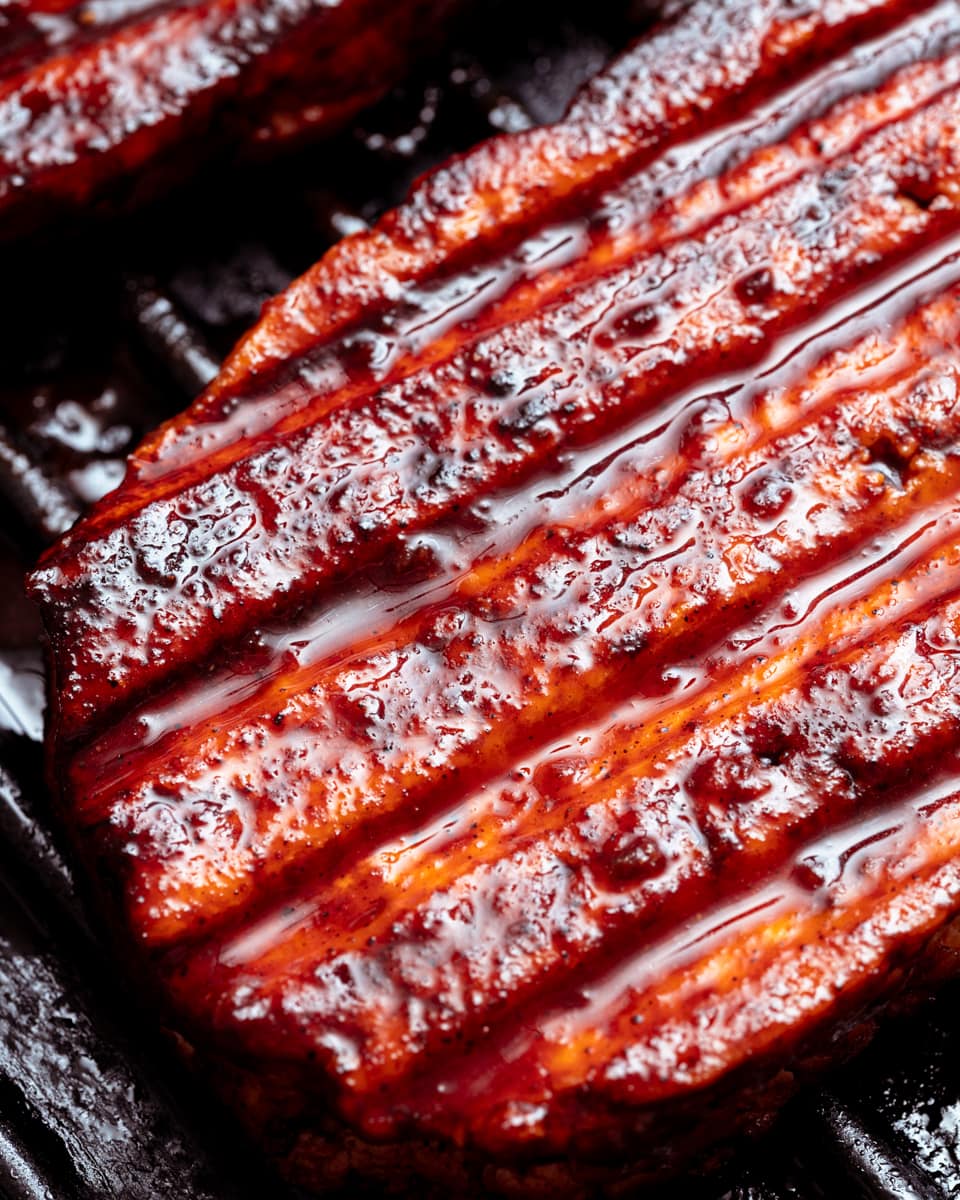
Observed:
{"x":520,"y":696}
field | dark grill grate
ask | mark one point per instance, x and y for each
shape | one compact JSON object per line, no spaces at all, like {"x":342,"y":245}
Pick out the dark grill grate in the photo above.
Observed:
{"x":106,"y":336}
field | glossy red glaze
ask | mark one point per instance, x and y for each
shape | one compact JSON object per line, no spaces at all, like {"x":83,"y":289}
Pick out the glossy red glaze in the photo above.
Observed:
{"x":516,"y":706}
{"x":96,"y":94}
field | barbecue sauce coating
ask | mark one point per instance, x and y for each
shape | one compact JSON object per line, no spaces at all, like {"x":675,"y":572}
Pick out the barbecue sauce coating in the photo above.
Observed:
{"x":515,"y":709}
{"x":98,"y":99}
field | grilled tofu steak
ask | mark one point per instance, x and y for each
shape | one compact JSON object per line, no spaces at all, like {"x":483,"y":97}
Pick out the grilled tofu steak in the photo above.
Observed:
{"x":102,"y":99}
{"x":515,"y":710}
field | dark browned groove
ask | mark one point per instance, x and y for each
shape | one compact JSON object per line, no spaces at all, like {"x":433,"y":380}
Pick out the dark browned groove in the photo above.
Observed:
{"x":639,"y":455}
{"x":530,"y":1010}
{"x":612,"y":416}
{"x":492,"y":1027}
{"x":606,"y":954}
{"x":888,"y":460}
{"x":435,"y":795}
{"x":716,"y":121}
{"x":440,"y":796}
{"x":907,"y":297}
{"x":915,"y":286}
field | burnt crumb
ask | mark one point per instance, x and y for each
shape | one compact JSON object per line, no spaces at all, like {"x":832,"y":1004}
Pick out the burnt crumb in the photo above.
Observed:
{"x":632,"y":854}
{"x":634,"y":858}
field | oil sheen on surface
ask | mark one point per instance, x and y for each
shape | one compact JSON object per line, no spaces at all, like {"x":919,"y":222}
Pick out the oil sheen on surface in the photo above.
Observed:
{"x":521,"y":695}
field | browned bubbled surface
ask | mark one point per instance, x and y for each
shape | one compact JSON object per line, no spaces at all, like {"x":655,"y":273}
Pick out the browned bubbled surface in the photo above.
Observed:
{"x":522,"y":690}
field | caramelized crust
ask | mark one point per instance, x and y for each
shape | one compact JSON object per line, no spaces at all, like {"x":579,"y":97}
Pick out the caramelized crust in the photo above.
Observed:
{"x":99,"y":97}
{"x":516,"y":707}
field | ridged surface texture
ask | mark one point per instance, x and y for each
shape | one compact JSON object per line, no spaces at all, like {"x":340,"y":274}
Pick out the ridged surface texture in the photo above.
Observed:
{"x":103,"y":100}
{"x":515,"y":709}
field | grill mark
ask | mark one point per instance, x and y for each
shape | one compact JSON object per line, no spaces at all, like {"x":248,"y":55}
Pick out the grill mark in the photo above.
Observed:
{"x":928,"y":35}
{"x":852,"y":354}
{"x":523,"y":438}
{"x":647,"y":98}
{"x":631,"y":1025}
{"x":483,"y":676}
{"x":636,"y":728}
{"x":517,"y":899}
{"x":848,"y":353}
{"x":925,"y":815}
{"x":760,"y":987}
{"x":828,"y":356}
